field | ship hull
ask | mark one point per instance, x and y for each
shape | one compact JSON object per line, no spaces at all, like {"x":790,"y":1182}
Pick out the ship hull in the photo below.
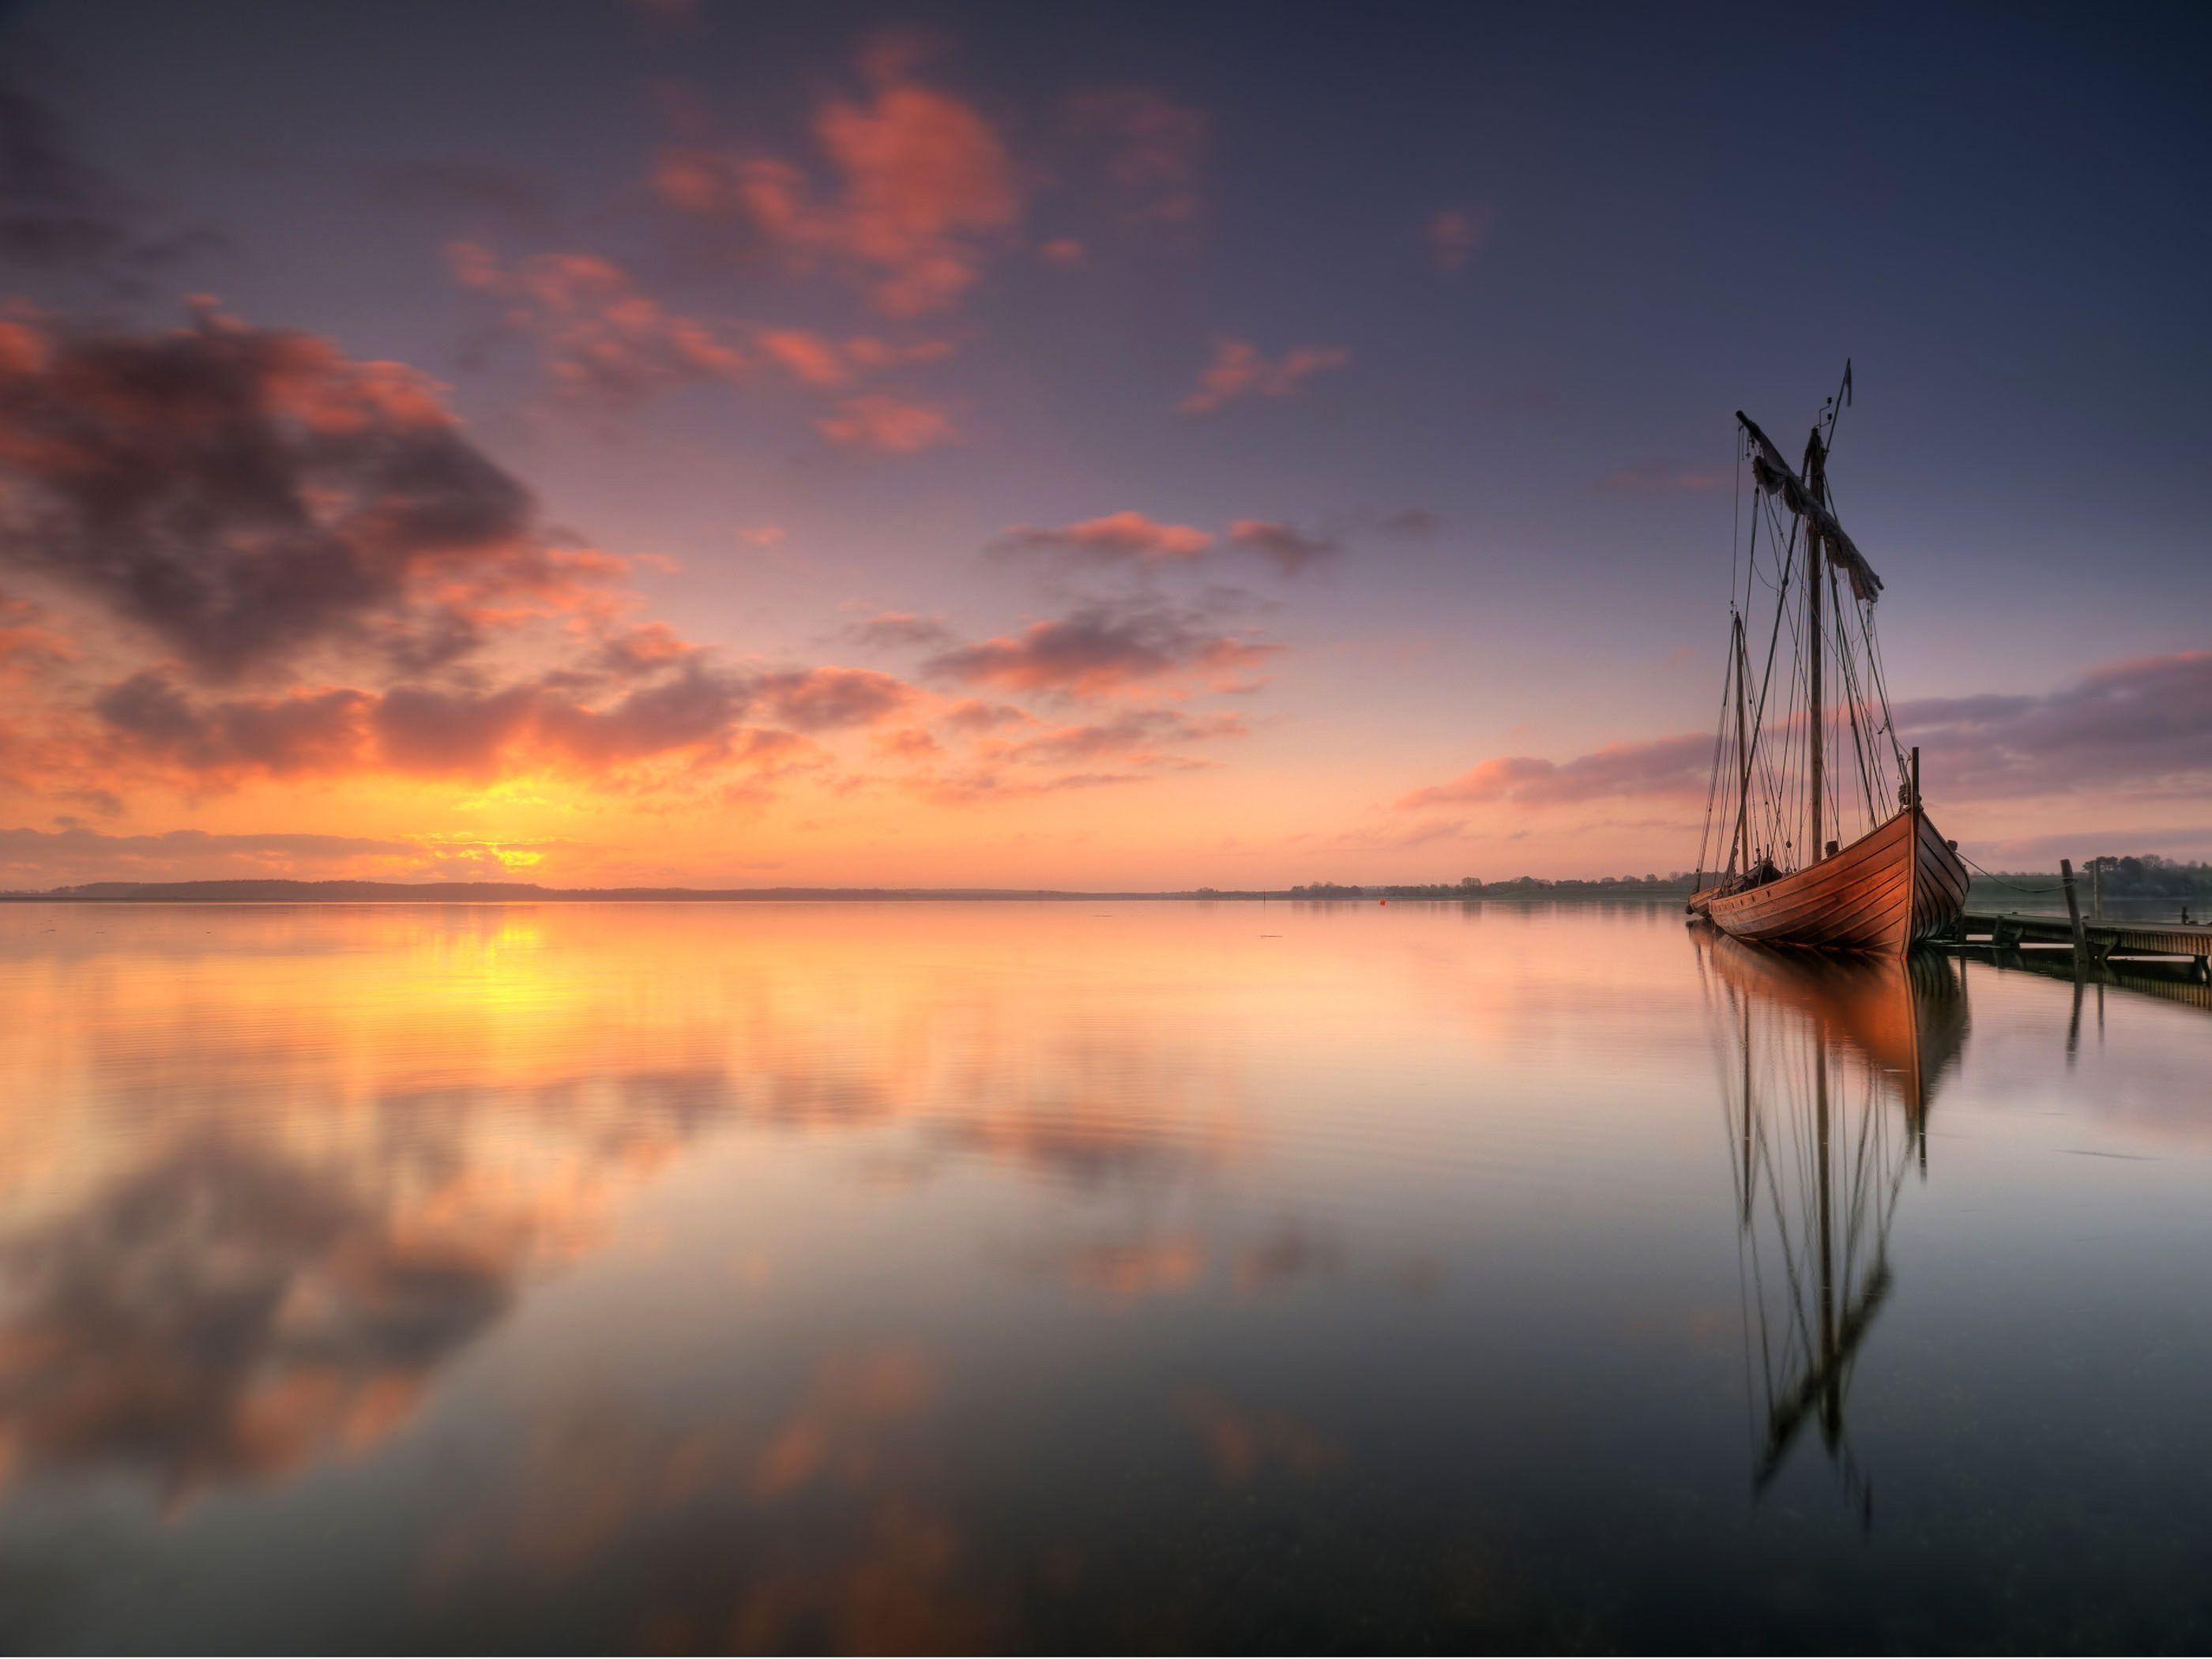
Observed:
{"x":1886,"y":892}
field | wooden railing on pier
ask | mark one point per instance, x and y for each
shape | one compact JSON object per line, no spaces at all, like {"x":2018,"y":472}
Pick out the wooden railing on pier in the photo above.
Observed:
{"x":2100,"y":941}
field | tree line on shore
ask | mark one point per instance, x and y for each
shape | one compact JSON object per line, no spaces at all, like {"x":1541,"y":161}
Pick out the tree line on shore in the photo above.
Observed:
{"x":2146,"y":877}
{"x":1469,"y":887}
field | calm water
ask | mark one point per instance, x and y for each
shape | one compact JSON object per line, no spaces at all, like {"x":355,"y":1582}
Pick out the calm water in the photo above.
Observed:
{"x":1092,"y":1276}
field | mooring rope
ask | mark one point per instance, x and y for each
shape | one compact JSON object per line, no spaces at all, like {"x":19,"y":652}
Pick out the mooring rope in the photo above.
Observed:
{"x":2014,"y":886}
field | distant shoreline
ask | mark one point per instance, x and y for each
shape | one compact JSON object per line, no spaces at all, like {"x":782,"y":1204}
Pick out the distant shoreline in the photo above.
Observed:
{"x":373,"y":892}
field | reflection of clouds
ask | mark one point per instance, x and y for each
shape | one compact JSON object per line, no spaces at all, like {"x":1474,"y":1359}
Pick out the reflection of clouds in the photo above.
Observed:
{"x":833,"y":1433}
{"x":903,"y":1586}
{"x":227,"y":1311}
{"x":218,"y":1316}
{"x":291,"y":1159}
{"x":1124,"y":1271}
{"x":1241,"y":1442}
{"x":812,"y":1530}
{"x":1296,"y":1249}
{"x":1089,"y":1145}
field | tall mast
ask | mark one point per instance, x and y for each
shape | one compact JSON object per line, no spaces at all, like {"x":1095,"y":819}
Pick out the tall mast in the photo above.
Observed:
{"x":1742,"y":861}
{"x":1816,"y":483}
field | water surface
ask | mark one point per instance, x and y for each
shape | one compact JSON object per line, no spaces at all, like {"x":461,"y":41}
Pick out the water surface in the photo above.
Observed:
{"x":1091,"y":1276}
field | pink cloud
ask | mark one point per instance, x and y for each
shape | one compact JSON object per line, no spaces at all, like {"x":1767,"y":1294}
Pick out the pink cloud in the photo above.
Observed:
{"x":1100,"y":650}
{"x":888,"y":425}
{"x":894,"y":629}
{"x":813,"y":360}
{"x":2142,"y":725}
{"x":1292,"y":551}
{"x":1455,"y":235}
{"x":806,"y":357}
{"x":1677,"y":766}
{"x":983,"y":784}
{"x":973,"y":714}
{"x":1137,"y":737}
{"x":921,"y":190}
{"x":818,"y":699}
{"x":598,"y":333}
{"x":1117,"y":536}
{"x":1239,"y":370}
{"x":1154,"y":149}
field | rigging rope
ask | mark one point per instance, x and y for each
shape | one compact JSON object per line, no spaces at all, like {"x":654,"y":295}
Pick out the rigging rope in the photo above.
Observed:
{"x":1713,"y":783}
{"x":2014,"y":886}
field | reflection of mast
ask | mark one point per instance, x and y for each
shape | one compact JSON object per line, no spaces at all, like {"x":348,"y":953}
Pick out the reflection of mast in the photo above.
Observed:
{"x":1824,"y":1050}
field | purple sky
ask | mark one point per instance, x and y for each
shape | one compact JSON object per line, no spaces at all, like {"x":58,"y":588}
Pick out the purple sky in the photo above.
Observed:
{"x":1139,"y":443}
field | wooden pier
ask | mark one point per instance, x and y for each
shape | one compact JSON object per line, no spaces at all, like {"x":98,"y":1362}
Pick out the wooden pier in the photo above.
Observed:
{"x":2099,"y":941}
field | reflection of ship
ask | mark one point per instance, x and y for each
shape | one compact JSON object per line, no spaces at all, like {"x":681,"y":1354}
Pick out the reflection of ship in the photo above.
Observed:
{"x":1829,"y":1066}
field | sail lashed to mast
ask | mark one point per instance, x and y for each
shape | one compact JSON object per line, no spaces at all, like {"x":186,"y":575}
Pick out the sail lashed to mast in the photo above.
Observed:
{"x":1776,"y":478}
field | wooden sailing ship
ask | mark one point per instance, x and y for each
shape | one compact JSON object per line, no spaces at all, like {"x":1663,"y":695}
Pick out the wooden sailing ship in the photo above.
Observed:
{"x":1781,"y":803}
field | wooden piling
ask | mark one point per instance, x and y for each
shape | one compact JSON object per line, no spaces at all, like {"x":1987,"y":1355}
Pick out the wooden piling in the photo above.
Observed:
{"x":2074,"y":915}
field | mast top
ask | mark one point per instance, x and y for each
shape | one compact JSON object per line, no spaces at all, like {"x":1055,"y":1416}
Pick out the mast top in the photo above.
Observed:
{"x":1776,"y":478}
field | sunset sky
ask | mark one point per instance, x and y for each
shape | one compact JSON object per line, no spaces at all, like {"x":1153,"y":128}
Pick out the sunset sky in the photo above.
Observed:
{"x":612,"y":443}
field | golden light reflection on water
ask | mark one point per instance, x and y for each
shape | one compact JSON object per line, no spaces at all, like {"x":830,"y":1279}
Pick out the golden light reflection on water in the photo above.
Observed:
{"x":884,"y":1276}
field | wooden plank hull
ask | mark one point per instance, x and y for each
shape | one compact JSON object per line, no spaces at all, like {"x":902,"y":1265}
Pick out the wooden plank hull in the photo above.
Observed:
{"x":1886,"y":892}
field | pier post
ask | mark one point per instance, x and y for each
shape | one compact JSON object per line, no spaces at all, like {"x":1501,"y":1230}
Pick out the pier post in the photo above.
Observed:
{"x":2074,"y":915}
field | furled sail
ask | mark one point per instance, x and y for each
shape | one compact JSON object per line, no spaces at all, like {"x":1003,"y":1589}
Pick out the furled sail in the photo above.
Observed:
{"x":1776,"y":478}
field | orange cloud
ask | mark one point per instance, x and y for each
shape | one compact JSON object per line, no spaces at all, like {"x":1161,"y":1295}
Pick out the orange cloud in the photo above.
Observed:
{"x":1240,"y":370}
{"x":682,"y":711}
{"x":28,"y":644}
